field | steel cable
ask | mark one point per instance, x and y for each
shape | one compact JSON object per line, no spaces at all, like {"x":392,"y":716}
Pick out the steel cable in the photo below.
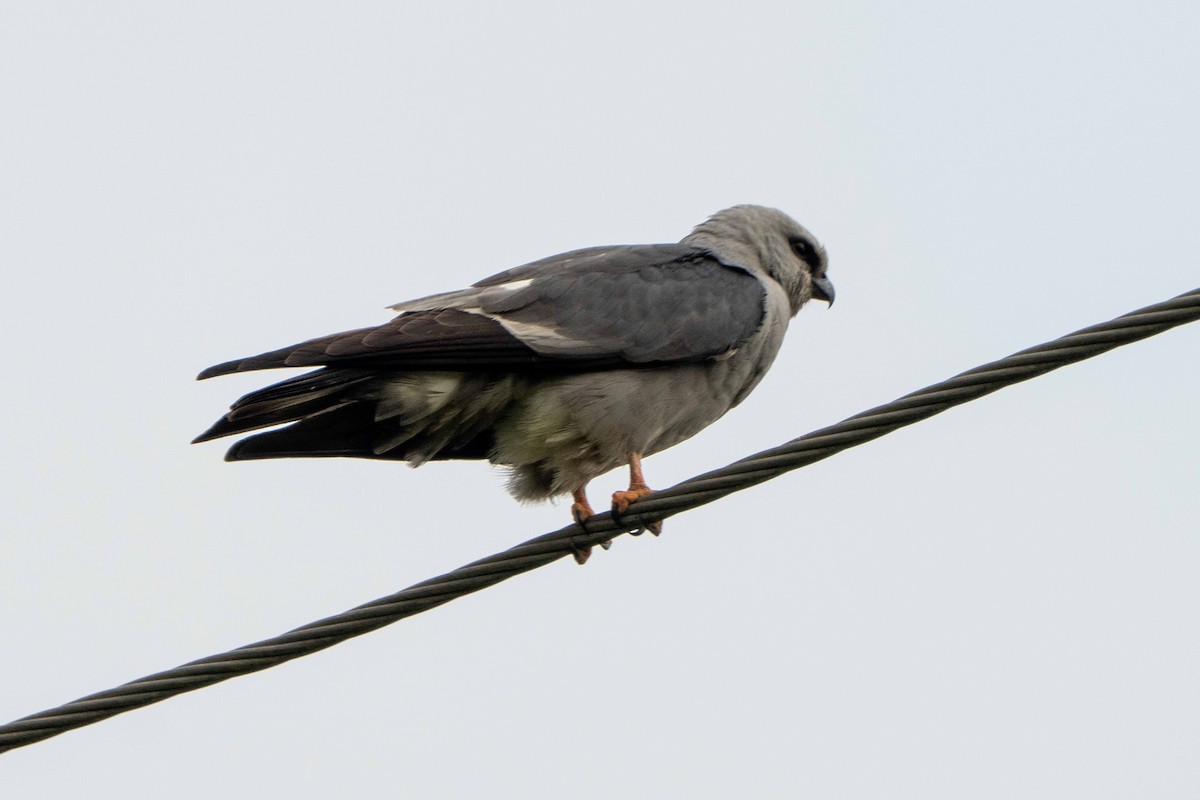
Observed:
{"x":550,"y":547}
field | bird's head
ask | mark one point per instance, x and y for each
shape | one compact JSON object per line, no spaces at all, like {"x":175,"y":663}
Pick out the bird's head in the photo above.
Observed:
{"x":769,"y":241}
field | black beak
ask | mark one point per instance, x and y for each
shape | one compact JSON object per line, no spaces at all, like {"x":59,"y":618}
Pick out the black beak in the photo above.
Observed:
{"x":823,"y":290}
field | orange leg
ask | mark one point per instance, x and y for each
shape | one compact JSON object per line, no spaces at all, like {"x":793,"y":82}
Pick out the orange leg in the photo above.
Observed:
{"x":581,"y":510}
{"x":621,"y":501}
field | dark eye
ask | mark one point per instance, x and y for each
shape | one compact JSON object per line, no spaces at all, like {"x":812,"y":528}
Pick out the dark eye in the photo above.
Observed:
{"x":805,"y":251}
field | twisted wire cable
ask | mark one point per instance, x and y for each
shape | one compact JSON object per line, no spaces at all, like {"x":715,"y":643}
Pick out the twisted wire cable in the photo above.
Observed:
{"x":550,"y":547}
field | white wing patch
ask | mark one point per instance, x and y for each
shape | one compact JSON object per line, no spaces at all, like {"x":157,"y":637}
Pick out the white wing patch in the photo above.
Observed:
{"x":542,"y":338}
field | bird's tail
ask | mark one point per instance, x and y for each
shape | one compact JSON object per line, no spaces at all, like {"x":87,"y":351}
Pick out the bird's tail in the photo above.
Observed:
{"x":358,"y":413}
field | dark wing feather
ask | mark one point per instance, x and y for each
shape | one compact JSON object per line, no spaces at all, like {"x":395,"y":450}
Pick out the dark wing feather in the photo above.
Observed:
{"x":589,"y":309}
{"x":440,"y":339}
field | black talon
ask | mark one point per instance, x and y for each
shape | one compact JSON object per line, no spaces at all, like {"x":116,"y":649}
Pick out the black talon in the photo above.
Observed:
{"x":580,"y":518}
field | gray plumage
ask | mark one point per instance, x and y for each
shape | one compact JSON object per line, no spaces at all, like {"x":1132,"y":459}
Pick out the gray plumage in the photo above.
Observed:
{"x":561,"y":369}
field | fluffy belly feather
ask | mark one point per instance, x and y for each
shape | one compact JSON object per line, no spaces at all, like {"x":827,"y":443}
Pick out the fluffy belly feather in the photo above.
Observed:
{"x":566,"y":431}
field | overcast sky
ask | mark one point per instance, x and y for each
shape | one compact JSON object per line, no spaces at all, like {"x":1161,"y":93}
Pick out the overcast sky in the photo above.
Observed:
{"x":1000,"y":602}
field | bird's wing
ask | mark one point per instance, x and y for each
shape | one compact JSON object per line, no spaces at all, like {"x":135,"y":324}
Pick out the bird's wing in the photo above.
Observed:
{"x":599,"y":308}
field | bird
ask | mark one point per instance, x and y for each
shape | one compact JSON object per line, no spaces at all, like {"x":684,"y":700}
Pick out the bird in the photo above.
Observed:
{"x":559,"y":370}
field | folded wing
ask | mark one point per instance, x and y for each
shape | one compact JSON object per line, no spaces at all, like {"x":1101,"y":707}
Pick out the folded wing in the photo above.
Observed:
{"x":600,"y":308}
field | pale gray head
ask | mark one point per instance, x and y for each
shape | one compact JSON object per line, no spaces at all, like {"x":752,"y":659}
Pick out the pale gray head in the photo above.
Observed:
{"x":768,"y":240}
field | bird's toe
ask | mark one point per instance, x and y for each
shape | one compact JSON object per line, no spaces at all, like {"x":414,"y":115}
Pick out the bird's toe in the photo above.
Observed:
{"x":621,"y":501}
{"x":581,"y":512}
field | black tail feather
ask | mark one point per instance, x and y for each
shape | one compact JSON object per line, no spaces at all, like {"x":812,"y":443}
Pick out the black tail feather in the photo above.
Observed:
{"x":286,"y":401}
{"x":346,"y":431}
{"x":363,"y":413}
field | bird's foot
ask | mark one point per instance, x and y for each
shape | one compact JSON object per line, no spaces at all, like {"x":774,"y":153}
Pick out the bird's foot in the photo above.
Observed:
{"x":581,"y":512}
{"x":654,"y":528}
{"x":581,"y":554}
{"x":621,"y":501}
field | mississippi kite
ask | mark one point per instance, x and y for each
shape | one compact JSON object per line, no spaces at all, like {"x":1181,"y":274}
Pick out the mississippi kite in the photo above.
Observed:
{"x":560,"y":370}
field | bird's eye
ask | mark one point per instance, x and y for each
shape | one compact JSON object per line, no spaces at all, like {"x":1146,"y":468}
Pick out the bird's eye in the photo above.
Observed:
{"x":805,"y":251}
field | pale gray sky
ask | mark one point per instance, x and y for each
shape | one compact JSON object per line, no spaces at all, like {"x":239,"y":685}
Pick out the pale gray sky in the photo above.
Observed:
{"x":997,"y":603}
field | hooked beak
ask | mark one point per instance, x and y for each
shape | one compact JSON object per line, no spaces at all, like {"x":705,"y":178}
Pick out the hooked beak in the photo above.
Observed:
{"x":823,"y":290}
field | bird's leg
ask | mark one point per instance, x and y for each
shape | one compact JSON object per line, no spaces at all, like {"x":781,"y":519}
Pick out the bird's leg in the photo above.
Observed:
{"x":637,"y":489}
{"x":581,"y":510}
